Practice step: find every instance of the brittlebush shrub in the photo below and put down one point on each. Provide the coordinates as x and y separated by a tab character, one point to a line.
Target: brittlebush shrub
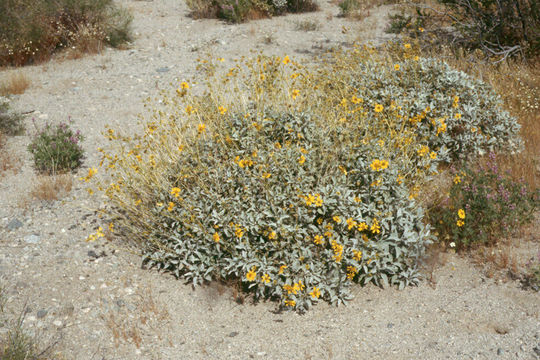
290	180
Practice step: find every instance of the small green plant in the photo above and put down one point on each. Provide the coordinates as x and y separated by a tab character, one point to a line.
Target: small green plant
56	149
398	23
307	25
10	123
483	205
348	7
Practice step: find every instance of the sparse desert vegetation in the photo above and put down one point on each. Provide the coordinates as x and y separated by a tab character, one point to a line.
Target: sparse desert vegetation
318	169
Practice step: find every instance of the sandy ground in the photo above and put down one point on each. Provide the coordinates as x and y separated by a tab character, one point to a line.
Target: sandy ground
95	299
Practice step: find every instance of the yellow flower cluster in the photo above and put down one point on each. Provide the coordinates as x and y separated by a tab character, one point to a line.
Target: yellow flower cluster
244	162
295	288
351	272
375	227
98	234
315	293
357	255
252	274
313	199
338	251
378	165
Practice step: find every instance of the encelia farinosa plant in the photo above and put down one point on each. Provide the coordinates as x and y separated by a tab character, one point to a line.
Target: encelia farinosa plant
56	148
295	182
483	205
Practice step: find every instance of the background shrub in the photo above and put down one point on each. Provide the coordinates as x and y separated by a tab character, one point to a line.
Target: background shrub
499	27
31	31
56	148
483	205
10	123
239	11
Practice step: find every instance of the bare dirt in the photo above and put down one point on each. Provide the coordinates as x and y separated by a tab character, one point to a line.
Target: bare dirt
100	304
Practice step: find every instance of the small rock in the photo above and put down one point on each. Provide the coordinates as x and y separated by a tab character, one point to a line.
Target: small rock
92	254
500	351
261	353
14	224
32	239
43	116
57	323
233	334
536	349
389	325
120	303
163	69
42	313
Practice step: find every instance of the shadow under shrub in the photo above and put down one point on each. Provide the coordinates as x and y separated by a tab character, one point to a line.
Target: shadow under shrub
32	30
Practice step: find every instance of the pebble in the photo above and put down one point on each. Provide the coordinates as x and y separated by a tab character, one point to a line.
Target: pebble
14	224
233	334
536	349
42	313
163	69
57	323
32	239
500	351
43	116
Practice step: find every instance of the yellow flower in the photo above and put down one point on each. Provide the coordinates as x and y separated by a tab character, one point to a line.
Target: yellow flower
281	269
111	227
433	155
272	235
356	100
362	226
266	175
460	223
239	232
221	59
351	272
378	108
457	179
337	219
318	239
286	60
461	214
421	29
357	255
189	110
175	191
171	206
344	102
351	223
216	237
423	150
416	58
290	303
252	274
375	228
201	128
378	165
222	110
396	67
184	85
473	129
357	199
295	93
302	159
457	116
265	278
407	46
315	293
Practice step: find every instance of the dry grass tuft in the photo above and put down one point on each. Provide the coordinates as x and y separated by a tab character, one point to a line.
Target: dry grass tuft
51	188
8	162
15	84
